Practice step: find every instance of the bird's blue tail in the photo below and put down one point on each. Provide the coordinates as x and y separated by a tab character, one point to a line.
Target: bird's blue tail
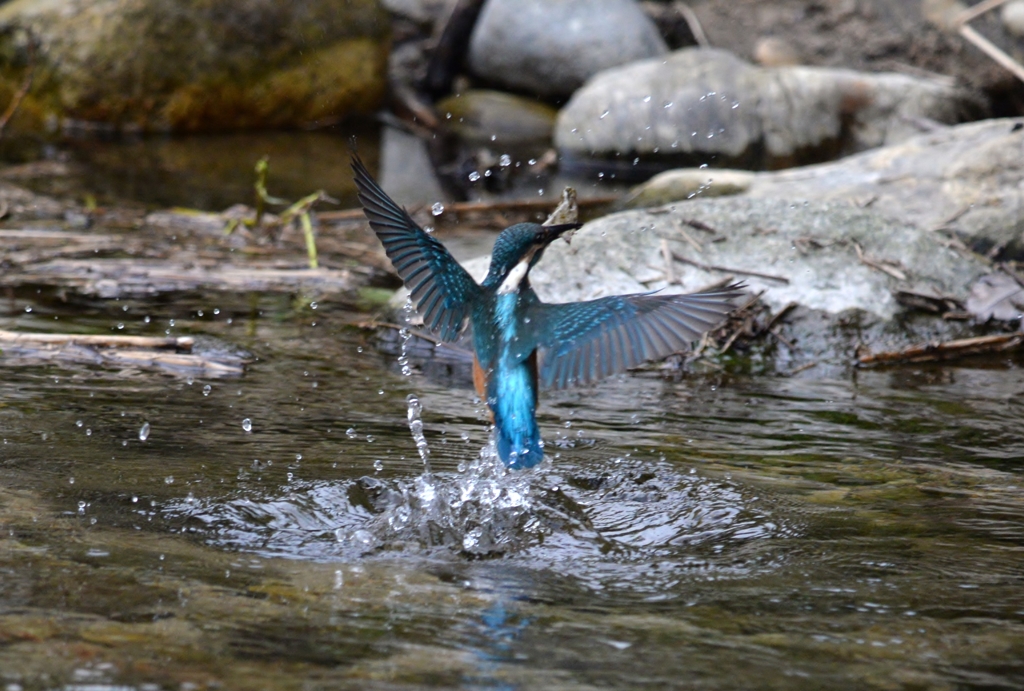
513	399
518	448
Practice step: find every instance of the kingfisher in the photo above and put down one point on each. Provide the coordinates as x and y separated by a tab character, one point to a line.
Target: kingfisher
520	343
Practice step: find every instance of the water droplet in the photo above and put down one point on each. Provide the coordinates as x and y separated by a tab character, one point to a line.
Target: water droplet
370	438
351	433
313	305
169	480
474	176
207	389
78	423
494	137
120	326
378	465
247	425
144	432
647	99
216	310
505	161
88	433
146	319
437	209
603	115
28	309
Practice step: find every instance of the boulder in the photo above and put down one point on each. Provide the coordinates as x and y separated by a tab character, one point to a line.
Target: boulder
840	264
205	65
965	181
550	47
707	106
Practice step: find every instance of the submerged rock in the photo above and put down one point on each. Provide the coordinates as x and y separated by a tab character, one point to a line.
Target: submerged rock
550	47
481	116
153	65
688	183
704	105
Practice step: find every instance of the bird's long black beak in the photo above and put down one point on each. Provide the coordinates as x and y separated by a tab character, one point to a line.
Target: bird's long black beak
555	231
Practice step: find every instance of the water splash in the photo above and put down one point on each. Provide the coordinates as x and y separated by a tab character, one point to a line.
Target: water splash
414	414
404	335
483	510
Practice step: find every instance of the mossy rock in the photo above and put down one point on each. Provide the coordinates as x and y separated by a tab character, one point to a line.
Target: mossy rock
197	65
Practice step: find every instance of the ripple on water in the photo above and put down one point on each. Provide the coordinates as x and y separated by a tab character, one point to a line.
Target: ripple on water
628	524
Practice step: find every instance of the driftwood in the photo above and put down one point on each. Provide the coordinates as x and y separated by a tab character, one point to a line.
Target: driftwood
30	246
109	278
946	350
181	343
169	354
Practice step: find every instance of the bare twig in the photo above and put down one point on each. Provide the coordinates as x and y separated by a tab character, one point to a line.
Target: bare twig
882	266
686	236
691	21
801	368
26	84
666	254
992	50
779	315
741	272
976	11
743	328
699	225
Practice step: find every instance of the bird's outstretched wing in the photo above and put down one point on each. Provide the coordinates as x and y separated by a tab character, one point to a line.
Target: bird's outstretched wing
441	289
581	342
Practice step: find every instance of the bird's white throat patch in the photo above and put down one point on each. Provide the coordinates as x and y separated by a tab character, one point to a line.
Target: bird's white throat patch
516	275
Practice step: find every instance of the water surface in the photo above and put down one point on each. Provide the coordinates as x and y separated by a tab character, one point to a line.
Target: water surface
712	530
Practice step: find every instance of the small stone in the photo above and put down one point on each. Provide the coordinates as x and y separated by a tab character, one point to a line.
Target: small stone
1013	17
772	51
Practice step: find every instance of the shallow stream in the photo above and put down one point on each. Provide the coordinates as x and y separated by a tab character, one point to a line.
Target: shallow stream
280	530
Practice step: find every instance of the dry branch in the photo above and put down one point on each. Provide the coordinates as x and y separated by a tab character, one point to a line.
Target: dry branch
946	350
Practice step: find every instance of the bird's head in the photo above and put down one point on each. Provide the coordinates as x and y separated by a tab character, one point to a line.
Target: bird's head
517	249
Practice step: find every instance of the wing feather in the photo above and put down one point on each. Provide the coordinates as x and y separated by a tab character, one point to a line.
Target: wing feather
583	341
440	288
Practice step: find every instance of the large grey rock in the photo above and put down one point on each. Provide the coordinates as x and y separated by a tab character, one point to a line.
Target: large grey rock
840	263
811	245
966	181
707	105
199	65
550	47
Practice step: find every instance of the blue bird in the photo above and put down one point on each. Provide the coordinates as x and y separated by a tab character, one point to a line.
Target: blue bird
520	342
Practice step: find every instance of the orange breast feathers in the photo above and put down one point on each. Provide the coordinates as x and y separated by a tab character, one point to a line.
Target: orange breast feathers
480	382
